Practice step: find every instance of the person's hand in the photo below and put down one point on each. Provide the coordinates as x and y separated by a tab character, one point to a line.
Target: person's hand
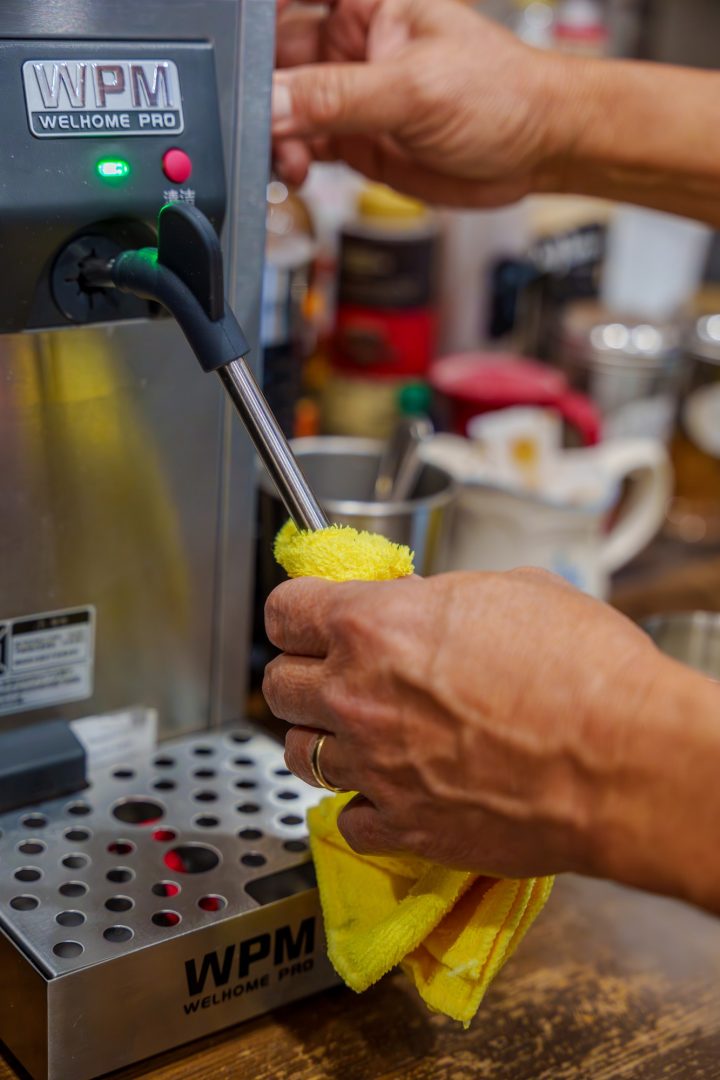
468	710
500	723
423	95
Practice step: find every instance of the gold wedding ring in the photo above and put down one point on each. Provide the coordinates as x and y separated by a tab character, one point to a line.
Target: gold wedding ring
316	768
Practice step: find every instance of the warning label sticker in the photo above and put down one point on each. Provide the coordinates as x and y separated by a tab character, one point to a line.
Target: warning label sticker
46	659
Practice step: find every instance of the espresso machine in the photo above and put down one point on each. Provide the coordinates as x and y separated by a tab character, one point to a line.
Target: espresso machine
155	880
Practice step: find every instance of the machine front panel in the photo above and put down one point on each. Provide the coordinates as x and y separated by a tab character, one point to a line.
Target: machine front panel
124	486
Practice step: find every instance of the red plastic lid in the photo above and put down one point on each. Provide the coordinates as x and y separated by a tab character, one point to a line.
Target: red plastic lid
483	382
497	381
568	31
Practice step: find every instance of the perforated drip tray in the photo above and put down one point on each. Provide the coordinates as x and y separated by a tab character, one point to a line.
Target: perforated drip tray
170	898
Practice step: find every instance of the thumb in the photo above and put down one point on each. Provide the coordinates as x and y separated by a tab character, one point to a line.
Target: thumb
338	99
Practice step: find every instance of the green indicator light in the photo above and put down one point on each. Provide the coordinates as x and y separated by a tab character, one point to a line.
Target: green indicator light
113	169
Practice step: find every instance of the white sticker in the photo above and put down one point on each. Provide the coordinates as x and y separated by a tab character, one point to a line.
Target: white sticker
46	659
120	736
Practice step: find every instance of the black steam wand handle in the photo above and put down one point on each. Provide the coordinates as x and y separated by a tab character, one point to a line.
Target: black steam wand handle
185	274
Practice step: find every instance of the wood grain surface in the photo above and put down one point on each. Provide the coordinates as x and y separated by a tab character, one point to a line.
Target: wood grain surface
610	985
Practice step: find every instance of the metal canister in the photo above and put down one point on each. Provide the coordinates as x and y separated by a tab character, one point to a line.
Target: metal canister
386	292
633	369
692	637
695	513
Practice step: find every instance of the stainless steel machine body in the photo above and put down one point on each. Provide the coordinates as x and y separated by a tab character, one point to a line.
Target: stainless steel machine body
174	896
126	485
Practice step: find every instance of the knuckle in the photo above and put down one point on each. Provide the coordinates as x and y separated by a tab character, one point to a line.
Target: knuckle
428	82
340	704
364	833
292	753
270	683
356	617
325	103
418	93
274	617
534	574
357	837
350	626
419	842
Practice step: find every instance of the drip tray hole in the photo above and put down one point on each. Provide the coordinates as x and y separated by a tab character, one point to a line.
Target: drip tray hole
118	934
119	903
166	888
73	888
70	918
68	949
138	811
77	836
191	858
75	861
32	847
24	903
34	821
166	918
212	903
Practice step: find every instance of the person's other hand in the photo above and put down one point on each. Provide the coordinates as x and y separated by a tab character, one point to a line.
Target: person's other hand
424	95
478	715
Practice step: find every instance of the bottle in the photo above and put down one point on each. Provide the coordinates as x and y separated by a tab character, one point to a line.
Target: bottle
386	315
581	28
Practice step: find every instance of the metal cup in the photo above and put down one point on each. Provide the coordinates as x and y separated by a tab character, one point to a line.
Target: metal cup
692	638
342	473
632	369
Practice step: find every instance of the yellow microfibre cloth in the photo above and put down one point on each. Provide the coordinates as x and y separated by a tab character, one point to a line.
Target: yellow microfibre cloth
450	930
341	554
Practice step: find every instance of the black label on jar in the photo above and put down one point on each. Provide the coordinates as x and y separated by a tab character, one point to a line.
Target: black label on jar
387	272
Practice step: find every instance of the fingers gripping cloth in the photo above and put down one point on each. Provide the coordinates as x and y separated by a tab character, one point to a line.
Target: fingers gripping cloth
451	931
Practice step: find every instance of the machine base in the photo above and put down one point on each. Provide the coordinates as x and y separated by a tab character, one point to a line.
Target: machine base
170	899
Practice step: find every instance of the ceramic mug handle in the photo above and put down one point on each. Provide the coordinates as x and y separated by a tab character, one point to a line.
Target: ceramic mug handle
646	464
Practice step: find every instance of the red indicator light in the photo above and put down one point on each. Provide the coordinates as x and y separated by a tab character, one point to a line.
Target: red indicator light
177	166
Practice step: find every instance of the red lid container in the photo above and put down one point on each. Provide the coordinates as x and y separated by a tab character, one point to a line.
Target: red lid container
474	383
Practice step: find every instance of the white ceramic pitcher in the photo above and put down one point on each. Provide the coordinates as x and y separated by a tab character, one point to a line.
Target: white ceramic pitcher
495	528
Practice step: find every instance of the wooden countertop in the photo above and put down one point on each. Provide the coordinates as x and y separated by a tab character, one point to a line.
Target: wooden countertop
610	984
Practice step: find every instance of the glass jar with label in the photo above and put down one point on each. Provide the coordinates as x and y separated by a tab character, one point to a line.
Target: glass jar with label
695	512
633	369
386	315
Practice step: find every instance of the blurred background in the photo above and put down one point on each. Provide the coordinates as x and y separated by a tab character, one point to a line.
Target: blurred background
534	386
